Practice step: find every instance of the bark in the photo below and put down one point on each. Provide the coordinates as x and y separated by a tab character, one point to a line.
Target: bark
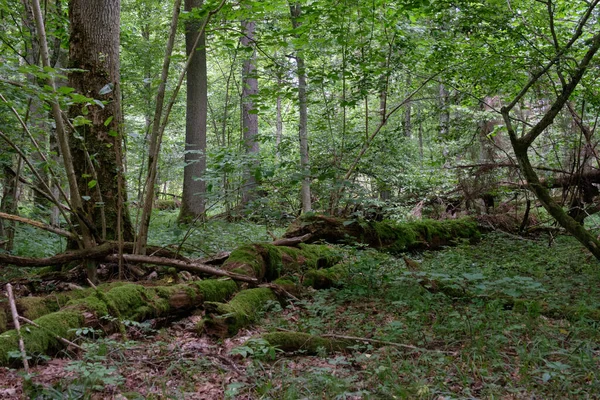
249	115
76	202
8	205
444	111
97	146
295	12
194	186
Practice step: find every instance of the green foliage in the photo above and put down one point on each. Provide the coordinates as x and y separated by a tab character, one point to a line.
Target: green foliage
479	341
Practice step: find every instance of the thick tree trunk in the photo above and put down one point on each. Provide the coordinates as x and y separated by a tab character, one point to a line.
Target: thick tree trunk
97	146
194	186
249	115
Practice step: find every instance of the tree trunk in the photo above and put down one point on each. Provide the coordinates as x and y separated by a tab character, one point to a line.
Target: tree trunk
295	12
194	186
444	111
97	145
249	116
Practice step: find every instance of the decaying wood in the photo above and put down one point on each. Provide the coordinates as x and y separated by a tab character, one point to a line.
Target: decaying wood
385	235
120	302
291	241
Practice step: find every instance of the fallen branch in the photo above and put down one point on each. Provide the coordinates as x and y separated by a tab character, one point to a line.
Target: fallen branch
291	241
15	316
39	225
184	266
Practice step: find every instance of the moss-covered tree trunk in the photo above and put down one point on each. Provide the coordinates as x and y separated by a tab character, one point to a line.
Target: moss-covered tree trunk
385	235
121	302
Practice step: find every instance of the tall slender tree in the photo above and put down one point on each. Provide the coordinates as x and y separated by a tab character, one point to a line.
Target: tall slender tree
295	13
194	186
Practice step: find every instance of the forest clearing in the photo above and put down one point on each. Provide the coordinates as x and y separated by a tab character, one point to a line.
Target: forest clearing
214	199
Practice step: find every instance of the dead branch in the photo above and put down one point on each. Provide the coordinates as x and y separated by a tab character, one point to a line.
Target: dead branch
184	266
39	225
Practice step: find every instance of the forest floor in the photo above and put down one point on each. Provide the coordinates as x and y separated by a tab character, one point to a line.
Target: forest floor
439	346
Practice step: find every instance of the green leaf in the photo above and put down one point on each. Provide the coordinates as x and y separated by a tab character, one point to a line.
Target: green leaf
92	184
108	120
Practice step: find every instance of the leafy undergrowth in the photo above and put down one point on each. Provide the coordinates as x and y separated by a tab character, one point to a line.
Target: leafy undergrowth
439	346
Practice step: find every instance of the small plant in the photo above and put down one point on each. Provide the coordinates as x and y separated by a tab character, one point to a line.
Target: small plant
258	349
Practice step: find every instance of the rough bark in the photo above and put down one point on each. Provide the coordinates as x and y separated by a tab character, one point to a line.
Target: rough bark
194	186
97	146
249	115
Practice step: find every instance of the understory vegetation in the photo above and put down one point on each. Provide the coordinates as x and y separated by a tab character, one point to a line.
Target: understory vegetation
489	337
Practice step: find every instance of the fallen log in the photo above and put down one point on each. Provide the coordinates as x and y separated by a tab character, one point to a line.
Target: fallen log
224	320
124	302
385	235
265	261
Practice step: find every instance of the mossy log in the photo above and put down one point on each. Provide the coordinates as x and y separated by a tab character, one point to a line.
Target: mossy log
308	344
223	320
122	302
265	261
385	235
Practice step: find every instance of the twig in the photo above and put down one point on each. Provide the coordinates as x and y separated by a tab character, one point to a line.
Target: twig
15	316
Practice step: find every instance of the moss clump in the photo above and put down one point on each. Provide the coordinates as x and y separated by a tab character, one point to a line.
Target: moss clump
266	261
327	277
216	289
297	341
41	340
245	260
227	319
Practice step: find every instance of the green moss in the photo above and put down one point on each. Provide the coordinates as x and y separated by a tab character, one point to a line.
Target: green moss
242	310
41	340
91	303
216	289
327	277
124	301
296	341
245	261
35	307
